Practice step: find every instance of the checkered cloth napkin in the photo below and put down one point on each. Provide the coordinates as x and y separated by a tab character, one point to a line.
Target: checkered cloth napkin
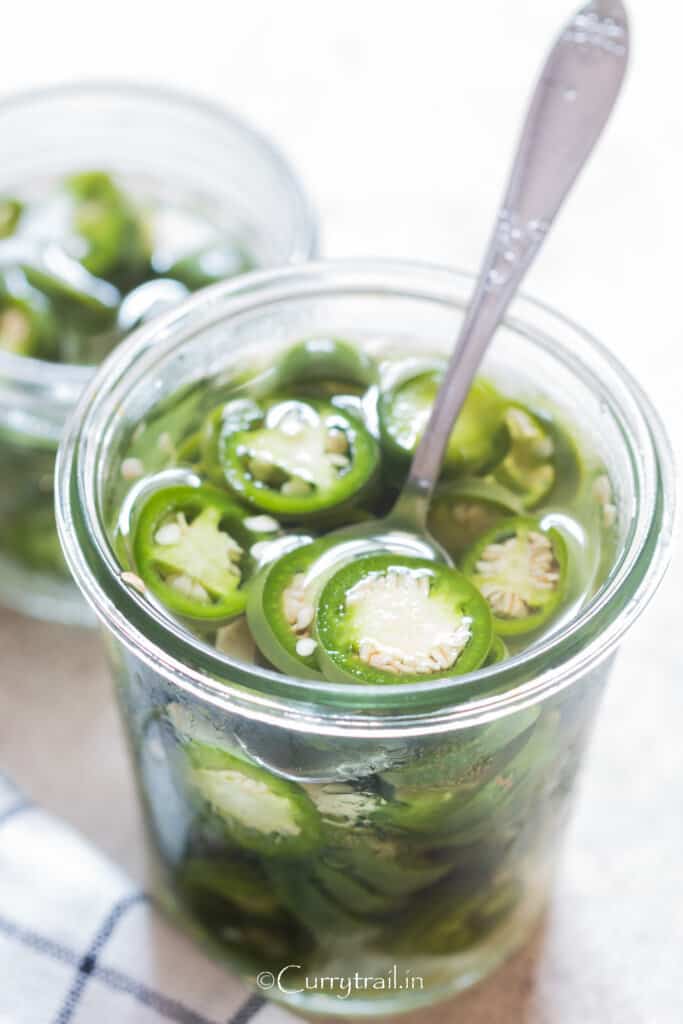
79	944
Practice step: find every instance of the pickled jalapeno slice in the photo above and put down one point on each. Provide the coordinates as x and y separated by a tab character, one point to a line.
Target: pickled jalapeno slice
26	327
325	368
97	252
528	468
233	895
301	458
189	547
319	911
206	266
260	811
462	510
570	471
231	880
111	230
450	922
189	451
498	651
542	463
479	439
76	295
281	609
386	619
10	212
521	570
219	426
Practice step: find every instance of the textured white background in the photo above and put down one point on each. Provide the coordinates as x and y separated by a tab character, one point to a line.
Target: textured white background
401	117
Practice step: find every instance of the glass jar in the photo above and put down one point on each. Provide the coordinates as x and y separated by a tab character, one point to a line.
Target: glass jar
421	829
182	146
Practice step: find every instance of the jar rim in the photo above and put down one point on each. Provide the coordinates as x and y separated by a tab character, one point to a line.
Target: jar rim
68	380
338	708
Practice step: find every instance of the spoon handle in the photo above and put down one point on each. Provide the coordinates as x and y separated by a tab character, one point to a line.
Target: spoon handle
572	101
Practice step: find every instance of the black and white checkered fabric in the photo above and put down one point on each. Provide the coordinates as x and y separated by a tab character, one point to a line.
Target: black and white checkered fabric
79	944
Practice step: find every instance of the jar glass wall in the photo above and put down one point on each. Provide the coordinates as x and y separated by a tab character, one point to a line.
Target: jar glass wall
166	146
417	831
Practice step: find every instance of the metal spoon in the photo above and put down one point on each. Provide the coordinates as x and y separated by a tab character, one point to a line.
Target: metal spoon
569	108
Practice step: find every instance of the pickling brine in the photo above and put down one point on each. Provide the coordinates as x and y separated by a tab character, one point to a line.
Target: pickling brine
430	852
226	494
356	766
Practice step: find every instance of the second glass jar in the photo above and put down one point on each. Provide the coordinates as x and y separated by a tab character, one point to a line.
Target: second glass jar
165	146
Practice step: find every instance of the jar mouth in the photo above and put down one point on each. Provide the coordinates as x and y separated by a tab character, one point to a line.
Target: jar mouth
68	380
213	678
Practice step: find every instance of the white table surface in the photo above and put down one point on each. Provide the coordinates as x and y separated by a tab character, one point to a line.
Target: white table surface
401	118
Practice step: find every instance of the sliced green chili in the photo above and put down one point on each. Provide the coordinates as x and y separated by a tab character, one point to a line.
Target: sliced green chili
388	618
190	547
521	569
462	510
304	457
260	811
10	213
325	368
479	440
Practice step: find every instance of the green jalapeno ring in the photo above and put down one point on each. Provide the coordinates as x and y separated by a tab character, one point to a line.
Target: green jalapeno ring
451	761
543	462
479	440
206	266
280	612
392	865
30	534
189	451
318	910
233	880
505	798
295	477
78	298
528	469
222	422
253	940
430	810
113	230
234	898
10	215
499	652
569	464
453	921
350	647
260	811
326	368
521	569
194	553
461	510
27	327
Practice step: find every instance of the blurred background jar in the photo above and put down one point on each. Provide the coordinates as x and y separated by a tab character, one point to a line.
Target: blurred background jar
215	199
